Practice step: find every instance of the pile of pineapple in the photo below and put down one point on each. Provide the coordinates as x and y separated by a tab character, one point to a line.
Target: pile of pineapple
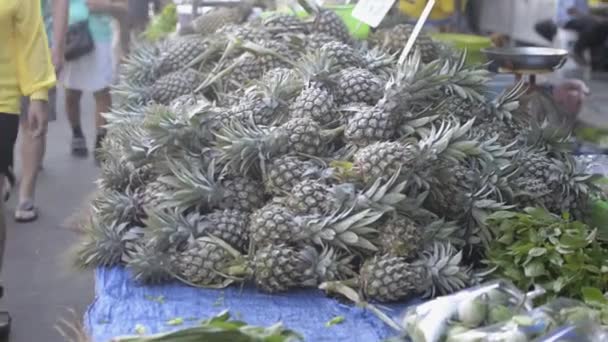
283	153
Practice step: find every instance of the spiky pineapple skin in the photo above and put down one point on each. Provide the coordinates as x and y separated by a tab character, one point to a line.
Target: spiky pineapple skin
200	262
242	193
310	197
328	22
389	279
229	225
303	136
182	52
383	159
280	268
358	85
174	85
274	224
370	124
343	55
285	172
401	237
316	103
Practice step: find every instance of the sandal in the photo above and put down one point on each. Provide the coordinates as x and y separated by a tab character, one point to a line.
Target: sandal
26	212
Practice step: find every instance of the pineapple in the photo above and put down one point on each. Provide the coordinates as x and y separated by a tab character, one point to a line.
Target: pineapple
173	228
380	63
229	225
242	32
105	243
403	237
246	147
147	264
280	23
344	229
266	102
394	39
316	103
195	187
153	194
140	67
383	159
205	262
111	205
357	85
171	86
315	41
326	21
181	53
278	268
437	271
286	171
215	19
311	197
343	55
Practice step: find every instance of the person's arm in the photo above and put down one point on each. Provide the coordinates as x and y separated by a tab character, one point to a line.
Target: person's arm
60	28
35	72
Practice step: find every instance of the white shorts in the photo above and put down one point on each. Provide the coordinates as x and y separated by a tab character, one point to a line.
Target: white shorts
92	72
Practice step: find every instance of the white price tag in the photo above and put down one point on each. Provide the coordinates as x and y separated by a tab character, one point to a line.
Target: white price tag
372	12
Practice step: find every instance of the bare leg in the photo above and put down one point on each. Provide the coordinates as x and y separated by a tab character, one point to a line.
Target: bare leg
32	152
72	108
103	102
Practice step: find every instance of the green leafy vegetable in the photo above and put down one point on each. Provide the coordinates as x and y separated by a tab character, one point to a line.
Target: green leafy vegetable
334	321
218	329
175	321
556	253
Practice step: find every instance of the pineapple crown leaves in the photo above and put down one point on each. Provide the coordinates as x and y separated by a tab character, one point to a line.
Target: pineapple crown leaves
506	103
443	231
245	146
343	229
146	263
328	264
115	174
464	81
444	273
169	229
318	66
173	129
103	244
193	184
112	205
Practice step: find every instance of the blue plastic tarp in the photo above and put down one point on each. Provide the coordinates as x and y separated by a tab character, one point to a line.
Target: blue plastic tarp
121	304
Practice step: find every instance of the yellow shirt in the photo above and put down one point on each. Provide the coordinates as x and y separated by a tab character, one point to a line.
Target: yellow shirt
443	9
25	59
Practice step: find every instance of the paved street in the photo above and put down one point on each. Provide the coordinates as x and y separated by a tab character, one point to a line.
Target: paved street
40	283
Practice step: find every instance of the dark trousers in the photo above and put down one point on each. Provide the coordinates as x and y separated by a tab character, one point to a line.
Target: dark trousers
592	33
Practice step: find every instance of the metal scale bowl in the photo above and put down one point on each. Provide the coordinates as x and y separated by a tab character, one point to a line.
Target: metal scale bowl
527	61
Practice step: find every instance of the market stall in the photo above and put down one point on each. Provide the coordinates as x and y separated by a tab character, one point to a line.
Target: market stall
252	164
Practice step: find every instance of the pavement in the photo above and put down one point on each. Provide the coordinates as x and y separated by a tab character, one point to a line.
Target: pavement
41	286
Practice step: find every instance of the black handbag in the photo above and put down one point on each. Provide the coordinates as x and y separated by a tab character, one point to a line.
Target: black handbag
79	41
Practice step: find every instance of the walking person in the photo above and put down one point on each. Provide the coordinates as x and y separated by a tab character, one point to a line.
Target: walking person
93	71
25	70
55	14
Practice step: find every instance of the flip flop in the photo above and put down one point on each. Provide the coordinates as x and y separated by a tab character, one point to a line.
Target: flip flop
26	212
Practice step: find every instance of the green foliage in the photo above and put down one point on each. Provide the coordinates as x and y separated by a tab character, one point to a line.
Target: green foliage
162	24
538	248
220	328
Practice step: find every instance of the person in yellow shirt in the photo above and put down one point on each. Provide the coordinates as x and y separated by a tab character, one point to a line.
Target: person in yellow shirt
25	70
442	14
